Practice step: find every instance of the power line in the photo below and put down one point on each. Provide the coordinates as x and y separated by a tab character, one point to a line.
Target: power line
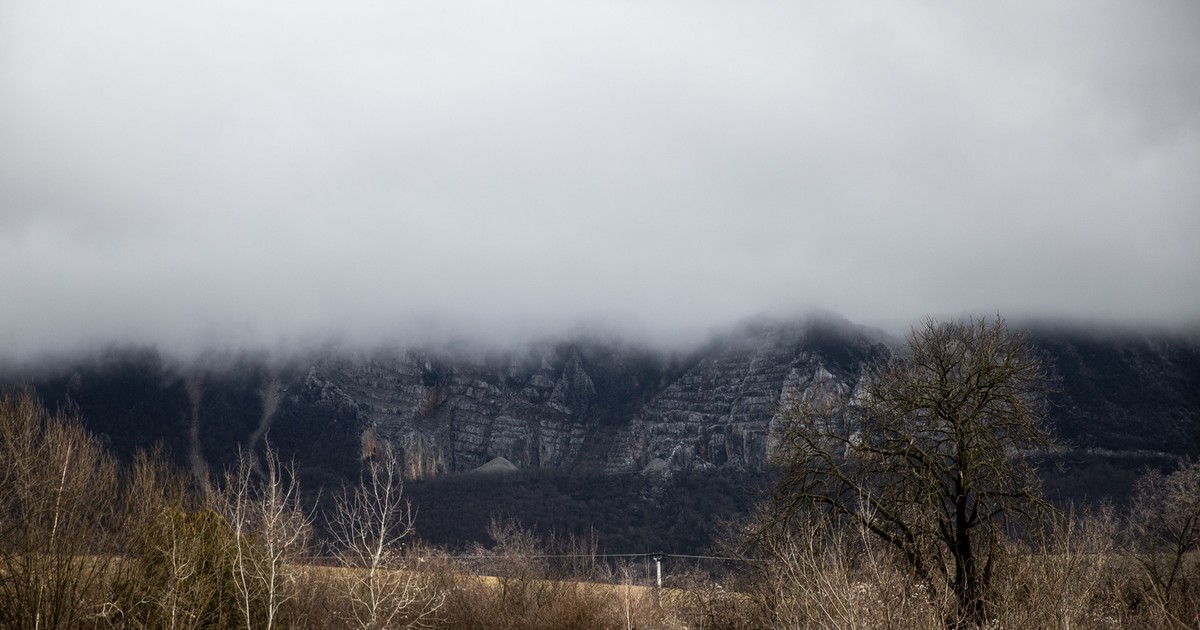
681	555
597	555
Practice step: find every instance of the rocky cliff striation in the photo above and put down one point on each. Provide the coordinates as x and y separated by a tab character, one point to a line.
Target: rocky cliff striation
598	407
586	405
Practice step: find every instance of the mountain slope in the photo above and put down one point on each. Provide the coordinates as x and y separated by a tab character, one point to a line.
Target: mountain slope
586	406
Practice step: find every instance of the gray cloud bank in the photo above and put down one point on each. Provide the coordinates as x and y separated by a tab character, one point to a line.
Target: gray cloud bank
269	173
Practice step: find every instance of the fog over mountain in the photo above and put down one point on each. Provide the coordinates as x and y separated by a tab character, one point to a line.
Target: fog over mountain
198	175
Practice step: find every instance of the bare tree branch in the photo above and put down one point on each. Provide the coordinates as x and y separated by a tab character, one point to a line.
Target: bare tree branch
933	459
369	525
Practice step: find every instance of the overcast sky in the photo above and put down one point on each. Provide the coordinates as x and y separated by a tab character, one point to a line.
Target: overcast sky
216	174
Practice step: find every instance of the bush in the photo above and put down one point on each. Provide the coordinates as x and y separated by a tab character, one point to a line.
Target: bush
181	573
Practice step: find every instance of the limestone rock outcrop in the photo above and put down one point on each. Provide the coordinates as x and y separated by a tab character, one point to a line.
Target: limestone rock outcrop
590	406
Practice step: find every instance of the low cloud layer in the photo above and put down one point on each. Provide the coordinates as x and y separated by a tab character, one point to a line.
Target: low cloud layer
229	174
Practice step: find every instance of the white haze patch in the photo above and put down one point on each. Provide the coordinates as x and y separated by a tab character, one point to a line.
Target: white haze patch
198	175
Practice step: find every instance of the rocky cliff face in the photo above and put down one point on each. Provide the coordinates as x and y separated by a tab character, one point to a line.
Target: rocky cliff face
456	416
583	405
590	406
722	411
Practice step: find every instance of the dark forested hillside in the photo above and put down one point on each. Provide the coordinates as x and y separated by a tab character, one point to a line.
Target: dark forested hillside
1125	392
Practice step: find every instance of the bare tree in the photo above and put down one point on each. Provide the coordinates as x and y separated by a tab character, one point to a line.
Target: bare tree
1163	536
931	456
58	516
370	524
270	530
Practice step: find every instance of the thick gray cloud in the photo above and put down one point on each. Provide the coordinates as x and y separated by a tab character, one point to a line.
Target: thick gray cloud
197	174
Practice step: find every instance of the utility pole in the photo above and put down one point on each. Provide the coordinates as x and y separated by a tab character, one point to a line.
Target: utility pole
658	556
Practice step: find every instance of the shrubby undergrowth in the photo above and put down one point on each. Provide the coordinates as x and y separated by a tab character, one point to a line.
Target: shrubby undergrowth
87	543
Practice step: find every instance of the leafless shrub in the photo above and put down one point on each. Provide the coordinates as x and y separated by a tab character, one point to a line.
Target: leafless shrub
820	573
1162	537
637	605
703	603
58	517
1068	575
521	588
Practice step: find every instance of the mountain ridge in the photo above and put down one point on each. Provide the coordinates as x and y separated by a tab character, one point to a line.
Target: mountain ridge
586	404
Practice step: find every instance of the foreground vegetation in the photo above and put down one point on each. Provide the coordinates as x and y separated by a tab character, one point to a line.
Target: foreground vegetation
88	543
